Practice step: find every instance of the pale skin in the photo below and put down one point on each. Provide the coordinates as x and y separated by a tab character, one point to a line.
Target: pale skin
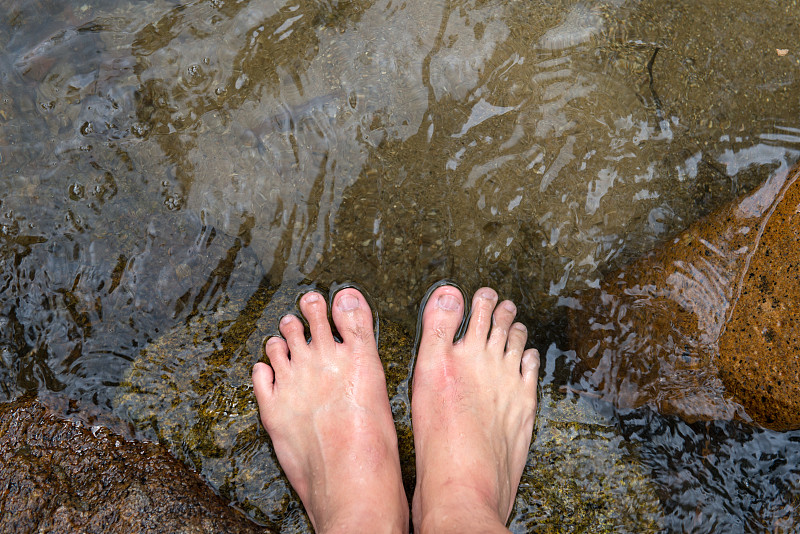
326	409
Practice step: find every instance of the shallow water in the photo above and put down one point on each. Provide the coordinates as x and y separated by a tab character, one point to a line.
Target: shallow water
162	159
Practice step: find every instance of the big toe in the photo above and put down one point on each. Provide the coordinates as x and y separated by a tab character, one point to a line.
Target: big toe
442	316
353	317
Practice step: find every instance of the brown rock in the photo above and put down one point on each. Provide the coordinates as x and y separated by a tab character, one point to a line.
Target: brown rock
61	476
760	347
706	326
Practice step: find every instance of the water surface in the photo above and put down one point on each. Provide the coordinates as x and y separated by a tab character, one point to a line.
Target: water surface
162	160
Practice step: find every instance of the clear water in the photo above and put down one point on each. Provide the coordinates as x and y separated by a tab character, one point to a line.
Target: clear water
159	159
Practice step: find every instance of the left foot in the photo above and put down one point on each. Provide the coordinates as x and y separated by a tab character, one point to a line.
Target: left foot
327	411
473	405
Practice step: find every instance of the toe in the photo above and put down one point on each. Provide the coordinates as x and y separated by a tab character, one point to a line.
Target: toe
503	317
442	316
480	321
353	317
315	310
277	351
263	384
530	368
517	337
292	330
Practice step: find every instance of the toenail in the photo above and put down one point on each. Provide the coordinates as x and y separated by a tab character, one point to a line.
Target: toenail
274	339
348	303
521	327
311	297
286	319
509	306
448	302
485	293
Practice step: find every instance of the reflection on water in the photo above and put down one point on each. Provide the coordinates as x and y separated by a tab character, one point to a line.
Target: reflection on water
161	160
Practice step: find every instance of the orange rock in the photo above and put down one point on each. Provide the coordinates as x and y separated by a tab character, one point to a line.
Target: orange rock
706	326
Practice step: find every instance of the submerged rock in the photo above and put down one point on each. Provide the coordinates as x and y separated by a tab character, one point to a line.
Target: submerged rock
62	476
582	475
706	327
513	143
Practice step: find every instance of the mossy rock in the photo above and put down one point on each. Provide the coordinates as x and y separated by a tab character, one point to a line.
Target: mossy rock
582	476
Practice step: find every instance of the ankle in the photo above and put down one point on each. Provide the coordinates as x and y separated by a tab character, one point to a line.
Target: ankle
367	519
459	518
457	509
366	525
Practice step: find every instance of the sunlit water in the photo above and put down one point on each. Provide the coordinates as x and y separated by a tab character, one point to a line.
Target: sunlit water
160	159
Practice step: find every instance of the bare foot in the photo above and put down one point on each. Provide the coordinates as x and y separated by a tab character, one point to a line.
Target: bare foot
473	405
327	412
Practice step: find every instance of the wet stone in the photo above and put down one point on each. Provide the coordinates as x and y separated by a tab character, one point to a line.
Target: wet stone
58	475
706	326
581	474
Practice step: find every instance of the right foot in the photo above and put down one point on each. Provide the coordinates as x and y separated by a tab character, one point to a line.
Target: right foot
327	412
473	406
